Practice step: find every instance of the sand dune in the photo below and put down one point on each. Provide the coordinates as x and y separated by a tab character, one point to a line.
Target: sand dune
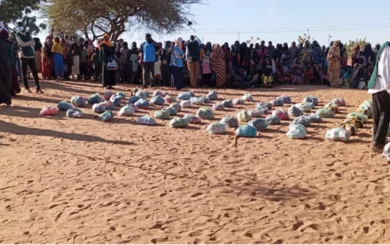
84	181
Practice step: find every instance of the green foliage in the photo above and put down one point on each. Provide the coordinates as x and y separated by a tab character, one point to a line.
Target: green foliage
12	11
96	17
352	44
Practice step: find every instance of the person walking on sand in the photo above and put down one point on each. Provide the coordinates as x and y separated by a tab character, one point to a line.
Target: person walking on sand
379	88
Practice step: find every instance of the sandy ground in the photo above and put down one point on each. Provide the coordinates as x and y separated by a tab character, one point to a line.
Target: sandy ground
83	181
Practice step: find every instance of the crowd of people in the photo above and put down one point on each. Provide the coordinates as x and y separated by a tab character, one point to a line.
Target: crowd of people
180	63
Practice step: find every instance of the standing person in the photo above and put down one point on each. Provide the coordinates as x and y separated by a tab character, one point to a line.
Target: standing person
75	60
96	65
218	65
47	58
134	63
177	64
206	64
157	65
58	55
369	53
193	58
110	65
124	62
27	57
83	62
334	68
165	60
7	68
37	53
148	50
379	87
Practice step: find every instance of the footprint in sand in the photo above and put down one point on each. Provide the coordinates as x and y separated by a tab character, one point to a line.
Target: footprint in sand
195	233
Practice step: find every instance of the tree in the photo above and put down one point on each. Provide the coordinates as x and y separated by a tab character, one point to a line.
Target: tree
94	18
351	45
12	11
305	37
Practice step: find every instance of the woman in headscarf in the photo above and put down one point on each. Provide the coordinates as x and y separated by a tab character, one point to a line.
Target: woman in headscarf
218	65
5	67
38	57
316	52
206	67
75	60
355	55
334	58
107	57
47	58
177	64
369	53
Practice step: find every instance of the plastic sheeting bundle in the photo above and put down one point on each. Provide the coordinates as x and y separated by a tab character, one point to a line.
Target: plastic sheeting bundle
216	128
172	111
169	99
260	124
366	108
162	114
192	119
212	95
333	107
184	96
227	103
277	102
339	102
127	110
358	116
273	120
230	121
135	108
337	134
121	94
197	100
134	99
325	113
146	120
386	152
116	100
265	105
178	123
294	111
247	97
257	113
99	108
205	113
158	93
314	118
297	131
305	106
286	99
219	107
49	111
302	120
177	106
283	115
94	99
238	102
158	100
246	131
109	105
64	106
74	113
185	104
311	99
107	95
244	116
78	101
106	116
142	104
142	94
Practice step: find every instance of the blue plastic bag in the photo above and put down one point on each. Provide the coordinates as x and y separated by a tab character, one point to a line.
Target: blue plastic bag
273	120
94	99
158	100
142	104
297	131
178	123
64	106
260	124
205	113
106	116
78	101
74	113
212	95
116	99
230	121
227	103
134	99
294	111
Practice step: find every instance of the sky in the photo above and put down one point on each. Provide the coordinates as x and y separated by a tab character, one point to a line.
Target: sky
282	21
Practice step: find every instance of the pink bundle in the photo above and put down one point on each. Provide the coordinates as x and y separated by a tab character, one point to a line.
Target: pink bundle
339	102
107	95
49	111
283	115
